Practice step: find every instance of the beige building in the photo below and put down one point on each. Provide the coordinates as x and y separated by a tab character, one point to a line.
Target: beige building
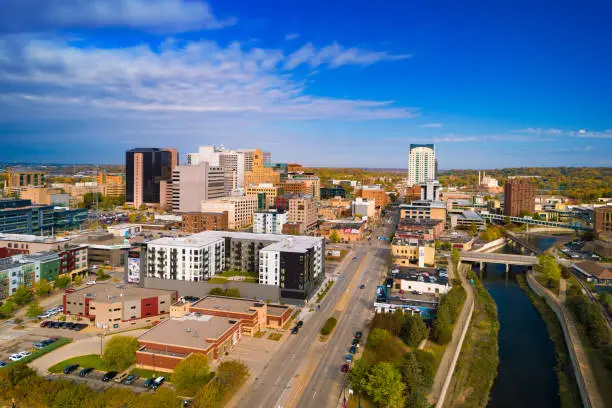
259	173
264	193
303	210
406	252
311	183
17	180
112	190
240	210
193	184
41	195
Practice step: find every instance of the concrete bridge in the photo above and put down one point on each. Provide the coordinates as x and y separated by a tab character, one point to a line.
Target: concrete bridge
533	221
506	259
523	243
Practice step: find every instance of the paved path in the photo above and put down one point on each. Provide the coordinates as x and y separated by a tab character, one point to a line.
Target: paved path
440	384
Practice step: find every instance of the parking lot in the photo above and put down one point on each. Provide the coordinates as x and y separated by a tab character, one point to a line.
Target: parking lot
94	381
17	345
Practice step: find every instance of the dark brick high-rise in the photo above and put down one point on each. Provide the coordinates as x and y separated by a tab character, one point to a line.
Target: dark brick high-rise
519	197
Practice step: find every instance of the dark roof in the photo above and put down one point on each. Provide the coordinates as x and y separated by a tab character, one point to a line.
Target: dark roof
595	269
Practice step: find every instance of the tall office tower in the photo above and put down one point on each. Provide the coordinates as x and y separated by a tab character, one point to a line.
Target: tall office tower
148	172
422	165
260	173
430	191
248	158
193	184
519	197
267	157
233	164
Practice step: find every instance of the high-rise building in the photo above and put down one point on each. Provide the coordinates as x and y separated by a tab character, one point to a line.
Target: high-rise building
303	210
260	173
248	158
265	193
376	193
422	165
430	190
145	170
519	197
232	162
239	210
267	157
193	184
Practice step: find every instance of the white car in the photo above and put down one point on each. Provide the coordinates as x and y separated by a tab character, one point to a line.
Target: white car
91	283
25	353
15	357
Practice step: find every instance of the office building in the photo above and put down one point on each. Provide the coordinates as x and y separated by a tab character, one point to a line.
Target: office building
303	210
265	193
239	209
412	252
374	192
114	307
267	157
193	184
260	172
17	179
430	190
363	207
145	170
232	162
427	229
27	270
195	222
519	197
248	158
332	191
343	230
110	178
602	218
312	183
422	165
22	217
269	221
112	190
45	196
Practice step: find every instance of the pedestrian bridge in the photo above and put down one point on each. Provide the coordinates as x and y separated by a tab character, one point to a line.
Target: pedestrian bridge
507	259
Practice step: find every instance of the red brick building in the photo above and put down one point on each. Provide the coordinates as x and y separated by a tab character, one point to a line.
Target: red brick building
519	197
208	221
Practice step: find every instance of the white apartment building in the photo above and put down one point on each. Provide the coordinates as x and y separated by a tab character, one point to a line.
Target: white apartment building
194	258
269	222
232	162
364	207
240	210
422	165
193	184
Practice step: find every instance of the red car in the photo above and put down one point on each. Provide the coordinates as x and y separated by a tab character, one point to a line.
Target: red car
45	323
345	368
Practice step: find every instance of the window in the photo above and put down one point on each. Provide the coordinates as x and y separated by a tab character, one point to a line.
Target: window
133	307
162	302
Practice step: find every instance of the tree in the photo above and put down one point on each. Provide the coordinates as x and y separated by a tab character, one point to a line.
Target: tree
34	309
383	383
7	308
549	268
210	396
62	281
78	280
414	331
120	352
191	373
417	373
216	292
334	237
358	373
232	373
455	258
23	295
142	207
74	395
43	287
442	333
378	337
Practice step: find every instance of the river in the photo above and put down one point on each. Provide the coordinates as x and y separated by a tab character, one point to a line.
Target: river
526	376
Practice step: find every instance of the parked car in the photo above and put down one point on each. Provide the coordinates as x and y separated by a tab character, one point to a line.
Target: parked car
348	358
300	324
15	357
71	368
157	383
130	379
85	372
25	353
69	290
295	330
55	325
45	323
121	377
90	283
149	382
53	339
109	376
2	364
80	326
353	350
358	335
39	346
345	368
355	342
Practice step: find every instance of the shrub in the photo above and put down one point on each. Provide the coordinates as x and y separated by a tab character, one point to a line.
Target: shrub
414	331
442	333
329	325
120	352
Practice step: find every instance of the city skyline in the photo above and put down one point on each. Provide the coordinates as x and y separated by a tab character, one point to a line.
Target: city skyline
492	86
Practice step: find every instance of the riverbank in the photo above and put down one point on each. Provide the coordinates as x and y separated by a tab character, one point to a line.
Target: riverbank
476	368
569	393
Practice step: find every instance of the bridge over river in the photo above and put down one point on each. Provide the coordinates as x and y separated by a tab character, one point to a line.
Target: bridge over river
506	259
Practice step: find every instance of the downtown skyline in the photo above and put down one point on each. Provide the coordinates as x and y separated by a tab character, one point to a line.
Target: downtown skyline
323	85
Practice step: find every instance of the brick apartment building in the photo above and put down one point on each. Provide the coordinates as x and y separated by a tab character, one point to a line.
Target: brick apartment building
195	222
519	197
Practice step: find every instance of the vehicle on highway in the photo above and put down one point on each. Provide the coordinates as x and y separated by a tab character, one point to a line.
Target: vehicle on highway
353	350
362	287
121	377
300	324
85	372
157	383
130	379
2	364
71	368
109	376
348	358
149	382
358	334
295	330
355	258
345	368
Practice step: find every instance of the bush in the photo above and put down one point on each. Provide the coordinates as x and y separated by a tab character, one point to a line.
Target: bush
62	282
329	325
414	331
120	352
7	308
590	317
34	310
442	333
231	292
23	295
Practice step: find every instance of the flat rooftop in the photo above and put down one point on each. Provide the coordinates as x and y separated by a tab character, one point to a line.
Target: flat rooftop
192	241
190	331
278	242
429	275
223	303
103	292
33	238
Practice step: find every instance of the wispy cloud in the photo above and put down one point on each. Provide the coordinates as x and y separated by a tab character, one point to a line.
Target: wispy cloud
155	15
292	36
431	125
582	133
335	55
540	131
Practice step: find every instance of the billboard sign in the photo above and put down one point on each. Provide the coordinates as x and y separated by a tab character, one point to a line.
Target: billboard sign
133	267
381	293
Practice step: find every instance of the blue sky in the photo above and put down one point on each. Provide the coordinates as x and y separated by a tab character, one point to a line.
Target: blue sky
324	83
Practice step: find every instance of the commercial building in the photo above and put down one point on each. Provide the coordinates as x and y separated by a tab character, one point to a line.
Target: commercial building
294	187
232	162
269	221
148	173
422	164
430	190
423	280
240	210
112	190
519	197
312	183
114	307
343	230
195	183
364	207
374	192
45	196
104	248
303	210
22	217
259	172
265	193
595	272
602	220
18	179
412	252
421	209
332	191
195	222
466	219
427	229
110	178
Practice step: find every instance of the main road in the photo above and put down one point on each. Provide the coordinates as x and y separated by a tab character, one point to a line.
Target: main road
305	371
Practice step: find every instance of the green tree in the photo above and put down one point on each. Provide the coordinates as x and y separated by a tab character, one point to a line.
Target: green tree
43	287
216	292
232	373
334	237
191	373
73	395
455	257
34	309
357	374
23	295
62	281
210	396
414	331
378	337
442	332
7	308
549	268
417	374
120	352
78	280
383	383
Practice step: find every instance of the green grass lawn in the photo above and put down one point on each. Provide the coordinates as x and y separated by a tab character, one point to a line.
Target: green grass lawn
275	336
144	373
89	360
217	279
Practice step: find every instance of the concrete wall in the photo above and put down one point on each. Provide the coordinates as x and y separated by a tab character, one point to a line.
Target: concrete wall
201	289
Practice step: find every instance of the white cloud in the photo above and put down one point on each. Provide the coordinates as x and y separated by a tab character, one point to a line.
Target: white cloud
540	131
292	36
431	125
156	15
182	77
582	133
335	55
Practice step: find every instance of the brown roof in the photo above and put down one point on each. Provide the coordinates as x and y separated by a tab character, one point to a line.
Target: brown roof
277	310
190	331
595	269
223	303
103	292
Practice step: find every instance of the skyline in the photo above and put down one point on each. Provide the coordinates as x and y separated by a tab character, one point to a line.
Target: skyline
492	86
